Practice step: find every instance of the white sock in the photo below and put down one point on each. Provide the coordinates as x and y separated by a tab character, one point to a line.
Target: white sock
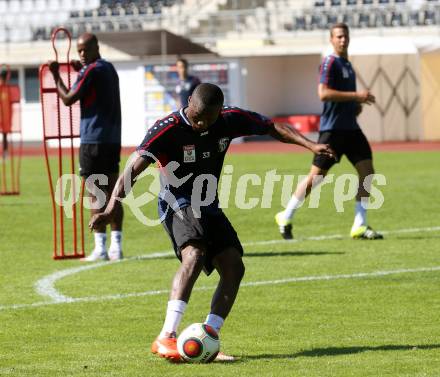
115	240
100	240
292	206
175	311
360	217
215	321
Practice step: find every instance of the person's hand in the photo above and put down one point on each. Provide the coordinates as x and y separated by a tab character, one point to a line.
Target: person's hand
99	220
324	149
366	97
54	67
76	65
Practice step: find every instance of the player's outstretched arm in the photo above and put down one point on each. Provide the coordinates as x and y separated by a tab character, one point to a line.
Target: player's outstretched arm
68	97
327	94
123	186
287	134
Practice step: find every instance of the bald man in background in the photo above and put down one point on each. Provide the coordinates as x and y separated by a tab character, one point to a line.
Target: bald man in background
97	89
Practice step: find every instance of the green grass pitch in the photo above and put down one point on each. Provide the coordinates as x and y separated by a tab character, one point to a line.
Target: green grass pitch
376	324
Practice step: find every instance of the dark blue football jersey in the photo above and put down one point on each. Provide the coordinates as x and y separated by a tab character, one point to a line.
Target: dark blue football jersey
190	161
98	88
338	74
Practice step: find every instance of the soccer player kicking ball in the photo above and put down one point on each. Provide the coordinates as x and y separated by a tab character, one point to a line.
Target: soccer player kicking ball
190	146
338	128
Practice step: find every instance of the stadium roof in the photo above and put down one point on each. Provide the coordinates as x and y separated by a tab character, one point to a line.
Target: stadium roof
150	43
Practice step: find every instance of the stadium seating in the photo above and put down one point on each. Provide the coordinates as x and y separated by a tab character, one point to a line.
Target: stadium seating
205	19
255	16
22	20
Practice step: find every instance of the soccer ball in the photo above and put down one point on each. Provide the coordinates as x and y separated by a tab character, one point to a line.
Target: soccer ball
198	343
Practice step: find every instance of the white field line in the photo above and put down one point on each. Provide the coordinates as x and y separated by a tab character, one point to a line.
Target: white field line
358	275
46	286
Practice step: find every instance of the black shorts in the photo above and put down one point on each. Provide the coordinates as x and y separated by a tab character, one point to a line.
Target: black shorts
99	159
214	231
353	144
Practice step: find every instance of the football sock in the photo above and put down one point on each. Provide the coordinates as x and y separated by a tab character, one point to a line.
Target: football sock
100	240
292	206
175	311
116	238
360	217
215	321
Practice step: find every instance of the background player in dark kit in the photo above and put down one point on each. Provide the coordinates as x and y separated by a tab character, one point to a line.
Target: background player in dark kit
338	128
97	89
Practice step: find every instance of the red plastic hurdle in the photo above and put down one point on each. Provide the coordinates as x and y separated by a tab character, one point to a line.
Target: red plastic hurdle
60	128
12	142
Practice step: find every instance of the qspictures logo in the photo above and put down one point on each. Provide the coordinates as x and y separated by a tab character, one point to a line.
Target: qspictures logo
246	191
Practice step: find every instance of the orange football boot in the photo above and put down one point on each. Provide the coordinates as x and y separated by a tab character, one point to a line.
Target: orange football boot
167	348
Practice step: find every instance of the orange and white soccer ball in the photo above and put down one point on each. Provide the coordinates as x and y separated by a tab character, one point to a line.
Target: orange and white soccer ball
198	343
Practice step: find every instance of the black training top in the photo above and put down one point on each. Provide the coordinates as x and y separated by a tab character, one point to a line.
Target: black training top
190	161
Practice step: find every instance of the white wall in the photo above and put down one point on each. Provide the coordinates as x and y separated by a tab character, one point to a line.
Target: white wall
282	85
269	85
31	122
301	84
272	86
262	79
131	82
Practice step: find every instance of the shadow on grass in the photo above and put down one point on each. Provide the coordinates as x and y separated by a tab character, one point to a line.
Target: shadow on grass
338	351
418	237
170	254
289	253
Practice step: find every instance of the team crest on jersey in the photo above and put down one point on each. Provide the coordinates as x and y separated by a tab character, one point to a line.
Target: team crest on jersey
345	73
223	144
189	153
